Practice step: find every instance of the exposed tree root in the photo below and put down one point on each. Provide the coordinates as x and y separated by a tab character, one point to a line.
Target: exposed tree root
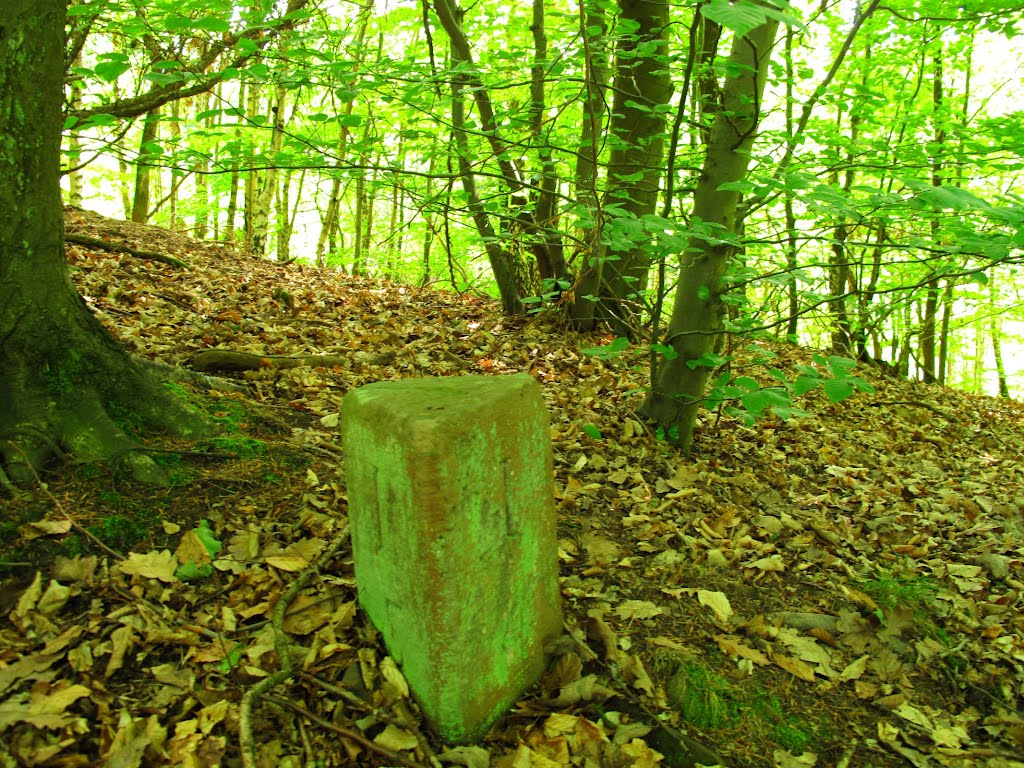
95	242
230	360
86	414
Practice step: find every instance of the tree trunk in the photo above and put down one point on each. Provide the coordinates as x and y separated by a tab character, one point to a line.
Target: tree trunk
642	90
140	205
265	200
500	259
676	388
74	143
201	180
995	331
251	176
59	369
330	219
285	219
546	240
513	273
792	286
588	155
947	316
927	338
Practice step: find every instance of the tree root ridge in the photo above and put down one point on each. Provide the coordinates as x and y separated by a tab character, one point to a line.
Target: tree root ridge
92	421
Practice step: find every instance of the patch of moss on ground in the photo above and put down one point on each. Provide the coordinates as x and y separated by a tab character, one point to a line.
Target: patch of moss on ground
710	701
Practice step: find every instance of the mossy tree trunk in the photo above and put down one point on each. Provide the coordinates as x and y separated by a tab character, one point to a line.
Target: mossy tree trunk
676	388
61	374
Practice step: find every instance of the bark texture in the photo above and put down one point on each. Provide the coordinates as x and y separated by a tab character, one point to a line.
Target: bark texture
615	275
677	388
60	371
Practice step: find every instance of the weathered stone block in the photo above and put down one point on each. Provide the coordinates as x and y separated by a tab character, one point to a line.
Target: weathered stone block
453	532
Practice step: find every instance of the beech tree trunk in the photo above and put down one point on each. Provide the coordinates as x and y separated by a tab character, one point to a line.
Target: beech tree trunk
59	369
615	277
676	388
140	205
265	200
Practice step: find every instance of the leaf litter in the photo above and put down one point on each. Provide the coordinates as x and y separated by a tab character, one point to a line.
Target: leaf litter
841	589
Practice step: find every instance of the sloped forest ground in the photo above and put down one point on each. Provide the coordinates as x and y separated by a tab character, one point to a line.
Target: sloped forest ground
842	589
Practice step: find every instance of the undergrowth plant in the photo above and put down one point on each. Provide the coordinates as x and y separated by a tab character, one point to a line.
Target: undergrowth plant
710	701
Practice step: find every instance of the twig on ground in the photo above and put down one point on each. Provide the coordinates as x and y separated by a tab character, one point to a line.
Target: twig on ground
919	404
348	733
249	757
53	499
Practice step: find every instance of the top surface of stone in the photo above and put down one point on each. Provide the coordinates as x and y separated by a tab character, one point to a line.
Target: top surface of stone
430	397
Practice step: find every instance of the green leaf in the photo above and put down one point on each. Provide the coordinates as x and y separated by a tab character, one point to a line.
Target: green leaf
111	70
205	534
952	198
723	379
193	572
609	351
838	389
707	360
175	23
770	397
592	431
805	384
742	17
666	351
233	659
212	24
161	79
630	177
259	70
841	366
245	46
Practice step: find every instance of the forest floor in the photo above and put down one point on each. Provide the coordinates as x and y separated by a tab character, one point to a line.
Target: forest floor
842	589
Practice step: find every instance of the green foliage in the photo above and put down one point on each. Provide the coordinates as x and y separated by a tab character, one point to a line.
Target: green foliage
749	400
609	351
173	465
790	732
551	290
709	701
233	659
892	592
743	16
230	416
888	189
118	531
192	571
704	699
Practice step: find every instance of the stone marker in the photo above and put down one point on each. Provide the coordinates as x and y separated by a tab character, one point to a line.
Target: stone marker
453	533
